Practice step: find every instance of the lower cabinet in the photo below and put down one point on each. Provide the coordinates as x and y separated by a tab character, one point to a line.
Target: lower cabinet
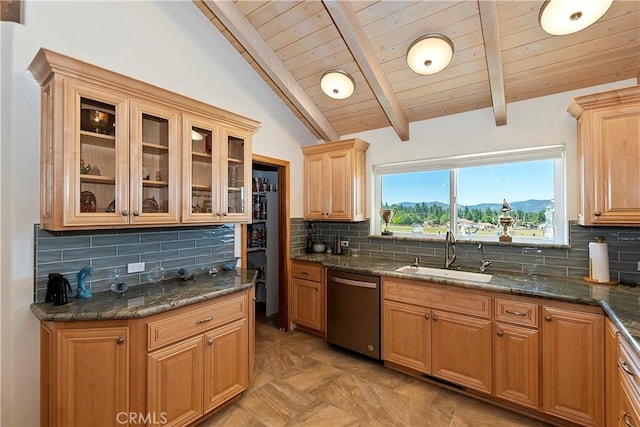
573	365
308	296
553	366
461	350
627	412
171	368
84	374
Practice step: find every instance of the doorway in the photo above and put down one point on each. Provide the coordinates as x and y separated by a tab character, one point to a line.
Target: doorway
266	241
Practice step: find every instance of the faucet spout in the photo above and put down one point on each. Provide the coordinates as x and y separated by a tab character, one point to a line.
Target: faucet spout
449	249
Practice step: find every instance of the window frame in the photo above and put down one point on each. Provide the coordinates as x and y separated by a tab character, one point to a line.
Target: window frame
453	163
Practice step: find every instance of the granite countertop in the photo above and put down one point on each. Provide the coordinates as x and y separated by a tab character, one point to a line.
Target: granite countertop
147	299
621	303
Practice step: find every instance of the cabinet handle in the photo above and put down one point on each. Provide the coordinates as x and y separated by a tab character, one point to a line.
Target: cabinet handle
208	319
224	214
304	273
210	341
426	316
435	318
217	213
120	340
625	418
500	333
547	318
136	213
627	369
515	313
125	213
597	213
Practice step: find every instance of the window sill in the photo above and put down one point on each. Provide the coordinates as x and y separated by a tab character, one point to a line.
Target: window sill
471	241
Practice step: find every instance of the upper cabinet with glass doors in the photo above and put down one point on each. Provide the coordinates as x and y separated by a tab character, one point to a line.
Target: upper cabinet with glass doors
111	152
216	174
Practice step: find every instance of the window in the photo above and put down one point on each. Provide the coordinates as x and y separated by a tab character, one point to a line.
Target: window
466	194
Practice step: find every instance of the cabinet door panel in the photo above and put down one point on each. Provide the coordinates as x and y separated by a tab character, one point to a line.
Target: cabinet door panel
516	364
154	154
616	182
313	187
93	376
461	350
225	363
235	176
307	304
96	139
174	382
406	335
338	176
573	365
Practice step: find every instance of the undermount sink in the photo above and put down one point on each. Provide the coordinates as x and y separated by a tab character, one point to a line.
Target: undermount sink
448	274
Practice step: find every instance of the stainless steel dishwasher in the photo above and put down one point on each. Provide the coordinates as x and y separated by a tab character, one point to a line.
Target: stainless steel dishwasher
353	312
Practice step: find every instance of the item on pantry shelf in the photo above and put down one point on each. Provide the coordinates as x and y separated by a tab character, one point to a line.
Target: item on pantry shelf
84	169
87	202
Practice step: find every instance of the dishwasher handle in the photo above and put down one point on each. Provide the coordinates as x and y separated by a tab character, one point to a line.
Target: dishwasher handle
349	282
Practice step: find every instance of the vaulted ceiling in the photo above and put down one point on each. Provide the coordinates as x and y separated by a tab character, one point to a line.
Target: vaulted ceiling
501	56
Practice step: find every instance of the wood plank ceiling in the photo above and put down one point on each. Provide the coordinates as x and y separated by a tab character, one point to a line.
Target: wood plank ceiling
501	56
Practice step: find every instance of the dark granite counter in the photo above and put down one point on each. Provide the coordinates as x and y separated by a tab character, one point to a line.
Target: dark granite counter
145	300
621	303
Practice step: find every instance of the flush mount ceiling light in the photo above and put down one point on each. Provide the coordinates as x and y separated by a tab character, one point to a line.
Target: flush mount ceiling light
430	54
561	17
337	84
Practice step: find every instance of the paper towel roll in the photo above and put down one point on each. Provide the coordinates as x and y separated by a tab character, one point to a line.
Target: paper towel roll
599	262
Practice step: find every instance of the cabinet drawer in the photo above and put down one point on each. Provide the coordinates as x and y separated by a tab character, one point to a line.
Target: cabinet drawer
200	319
518	312
421	293
629	365
307	271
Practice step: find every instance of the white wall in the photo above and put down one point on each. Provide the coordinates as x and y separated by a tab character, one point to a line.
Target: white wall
532	123
169	44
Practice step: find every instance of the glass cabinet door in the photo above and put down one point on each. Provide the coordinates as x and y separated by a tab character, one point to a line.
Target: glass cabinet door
200	159
236	176
96	140
154	164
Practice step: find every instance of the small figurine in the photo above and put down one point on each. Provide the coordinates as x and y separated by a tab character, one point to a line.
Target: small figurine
84	169
83	292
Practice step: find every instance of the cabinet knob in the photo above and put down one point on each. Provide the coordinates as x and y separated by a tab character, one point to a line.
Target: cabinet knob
435	318
224	214
626	417
500	333
136	213
597	213
120	340
217	213
426	316
125	213
547	318
210	341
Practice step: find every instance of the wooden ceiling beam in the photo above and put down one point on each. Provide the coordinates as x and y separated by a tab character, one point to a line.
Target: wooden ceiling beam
358	43
493	52
238	25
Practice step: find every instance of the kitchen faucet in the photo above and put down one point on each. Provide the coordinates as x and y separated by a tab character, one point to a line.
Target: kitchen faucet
449	249
484	263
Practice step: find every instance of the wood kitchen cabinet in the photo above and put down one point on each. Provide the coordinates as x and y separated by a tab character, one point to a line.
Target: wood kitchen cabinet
516	343
217	172
111	148
335	181
573	365
611	372
453	336
308	296
85	373
627	409
608	154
